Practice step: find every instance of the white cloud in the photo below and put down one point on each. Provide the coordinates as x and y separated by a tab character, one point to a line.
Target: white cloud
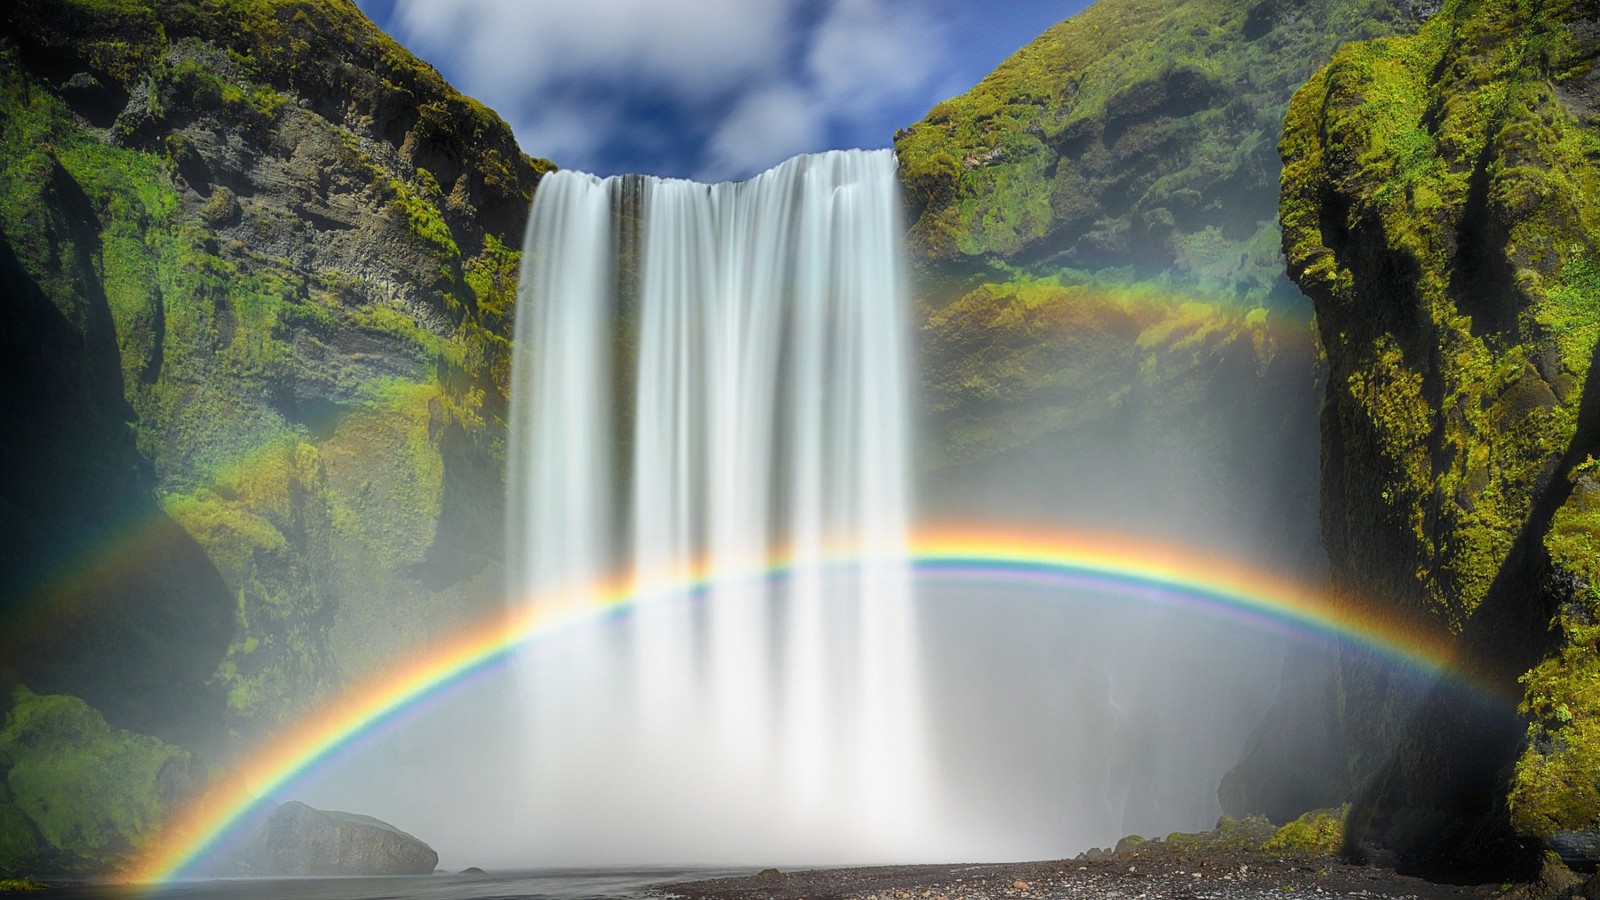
870	52
742	72
694	46
563	131
764	128
862	56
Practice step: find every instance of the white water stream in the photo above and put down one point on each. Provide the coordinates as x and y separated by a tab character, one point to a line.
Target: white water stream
706	375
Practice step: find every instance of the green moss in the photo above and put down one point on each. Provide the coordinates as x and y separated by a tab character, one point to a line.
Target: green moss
1137	132
1417	158
288	45
1555	786
390	321
492	278
427	226
218	525
991	344
1569	311
1316	833
116	40
1573	541
91	789
386	473
237	363
1008	363
20	841
1231	834
203	340
1439	206
47	154
266	522
1129	843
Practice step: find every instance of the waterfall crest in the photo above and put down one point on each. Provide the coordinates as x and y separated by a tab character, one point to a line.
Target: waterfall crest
705	375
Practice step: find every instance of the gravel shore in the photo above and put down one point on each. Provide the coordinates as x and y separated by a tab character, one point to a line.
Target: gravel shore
1202	876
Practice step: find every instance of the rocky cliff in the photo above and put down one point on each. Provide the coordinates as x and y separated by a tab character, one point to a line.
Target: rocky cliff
1439	207
1138	137
1108	336
259	264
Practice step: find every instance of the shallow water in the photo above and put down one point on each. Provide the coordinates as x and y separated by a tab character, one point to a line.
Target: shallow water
541	884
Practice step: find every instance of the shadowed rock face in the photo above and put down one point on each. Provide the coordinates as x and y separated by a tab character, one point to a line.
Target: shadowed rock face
1439	208
258	265
302	840
264	262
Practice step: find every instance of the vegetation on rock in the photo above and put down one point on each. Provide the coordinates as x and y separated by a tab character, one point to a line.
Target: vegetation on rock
1107	326
1439	207
1095	241
1100	403
1095	238
1248	833
299	234
77	794
263	266
1137	136
1319	832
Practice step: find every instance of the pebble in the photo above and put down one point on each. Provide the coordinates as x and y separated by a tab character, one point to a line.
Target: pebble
1155	877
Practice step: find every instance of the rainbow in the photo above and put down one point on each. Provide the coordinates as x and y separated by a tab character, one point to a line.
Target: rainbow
1055	560
84	578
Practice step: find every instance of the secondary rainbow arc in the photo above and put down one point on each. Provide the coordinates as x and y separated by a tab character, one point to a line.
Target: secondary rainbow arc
1055	559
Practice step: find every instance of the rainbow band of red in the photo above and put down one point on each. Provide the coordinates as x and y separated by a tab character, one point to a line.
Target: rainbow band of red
1121	566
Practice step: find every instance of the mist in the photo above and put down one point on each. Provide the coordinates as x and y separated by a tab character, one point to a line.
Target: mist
1039	721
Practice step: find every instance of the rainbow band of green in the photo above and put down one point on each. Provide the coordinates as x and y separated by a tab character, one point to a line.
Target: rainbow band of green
1059	561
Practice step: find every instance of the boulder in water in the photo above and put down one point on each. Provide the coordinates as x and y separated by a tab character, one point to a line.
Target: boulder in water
301	840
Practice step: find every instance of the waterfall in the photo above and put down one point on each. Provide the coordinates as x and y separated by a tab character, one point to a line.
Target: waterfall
706	375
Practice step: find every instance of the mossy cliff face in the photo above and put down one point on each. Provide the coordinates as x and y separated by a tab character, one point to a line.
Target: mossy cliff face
77	795
1125	409
1439	207
267	259
1094	238
1139	135
1109	337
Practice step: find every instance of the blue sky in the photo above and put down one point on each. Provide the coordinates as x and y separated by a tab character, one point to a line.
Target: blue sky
710	89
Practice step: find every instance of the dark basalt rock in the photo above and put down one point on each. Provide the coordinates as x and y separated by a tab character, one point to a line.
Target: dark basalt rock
302	840
1578	849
